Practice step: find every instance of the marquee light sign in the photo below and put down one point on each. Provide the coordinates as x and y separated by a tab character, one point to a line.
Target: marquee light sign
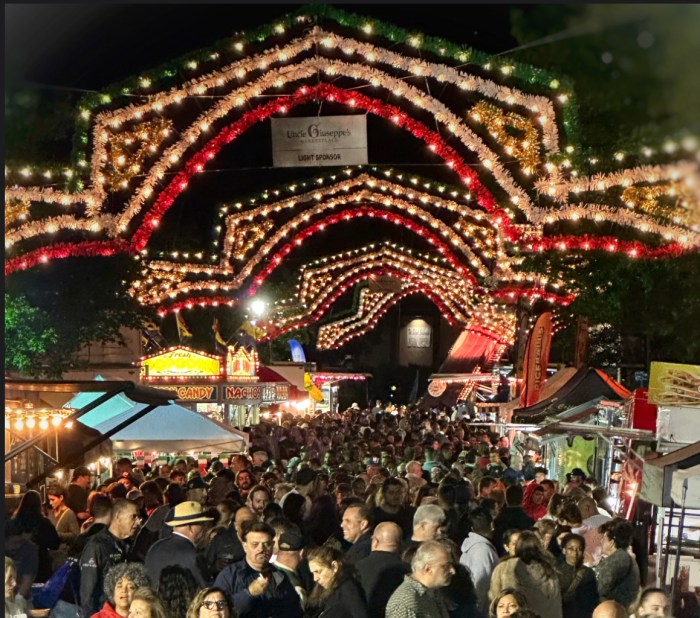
181	363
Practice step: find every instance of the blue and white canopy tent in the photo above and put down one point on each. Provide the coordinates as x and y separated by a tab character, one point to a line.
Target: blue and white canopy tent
168	428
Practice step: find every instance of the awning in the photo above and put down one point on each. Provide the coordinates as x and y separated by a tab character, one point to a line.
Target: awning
168	428
584	386
689	478
657	474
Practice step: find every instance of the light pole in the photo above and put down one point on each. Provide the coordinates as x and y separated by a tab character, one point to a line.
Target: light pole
258	307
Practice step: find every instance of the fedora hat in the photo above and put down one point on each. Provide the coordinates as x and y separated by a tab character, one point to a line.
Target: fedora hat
187	513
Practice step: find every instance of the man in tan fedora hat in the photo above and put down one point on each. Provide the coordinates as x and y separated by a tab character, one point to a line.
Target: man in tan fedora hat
180	547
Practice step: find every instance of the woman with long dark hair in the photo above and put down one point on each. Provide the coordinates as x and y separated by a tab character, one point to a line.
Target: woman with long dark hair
578	586
29	518
176	589
532	573
336	593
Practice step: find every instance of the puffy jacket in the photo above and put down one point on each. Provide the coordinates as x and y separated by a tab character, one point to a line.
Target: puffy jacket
102	551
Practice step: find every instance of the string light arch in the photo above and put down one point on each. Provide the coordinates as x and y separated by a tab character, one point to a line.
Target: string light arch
520	191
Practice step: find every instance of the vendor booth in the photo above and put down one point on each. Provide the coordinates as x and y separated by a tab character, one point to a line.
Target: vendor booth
228	390
672	484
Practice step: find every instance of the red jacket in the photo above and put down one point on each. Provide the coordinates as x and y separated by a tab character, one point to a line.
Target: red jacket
536	511
107	611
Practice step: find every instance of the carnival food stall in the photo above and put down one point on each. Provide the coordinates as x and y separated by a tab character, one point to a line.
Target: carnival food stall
226	389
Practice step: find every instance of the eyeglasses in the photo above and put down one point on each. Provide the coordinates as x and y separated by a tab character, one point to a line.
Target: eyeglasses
215	604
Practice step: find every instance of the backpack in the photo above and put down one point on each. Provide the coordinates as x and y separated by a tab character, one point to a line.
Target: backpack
45	596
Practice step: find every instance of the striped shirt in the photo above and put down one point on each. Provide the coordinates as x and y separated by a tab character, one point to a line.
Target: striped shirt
413	600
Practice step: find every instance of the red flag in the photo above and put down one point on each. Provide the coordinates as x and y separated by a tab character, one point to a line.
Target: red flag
536	359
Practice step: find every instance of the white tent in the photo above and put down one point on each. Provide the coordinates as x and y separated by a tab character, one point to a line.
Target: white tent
170	428
692	477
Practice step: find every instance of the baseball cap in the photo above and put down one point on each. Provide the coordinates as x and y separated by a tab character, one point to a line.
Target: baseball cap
304	476
291	540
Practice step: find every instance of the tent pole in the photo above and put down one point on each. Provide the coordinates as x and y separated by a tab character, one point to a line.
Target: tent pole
674	582
96	442
660	513
668	542
73	417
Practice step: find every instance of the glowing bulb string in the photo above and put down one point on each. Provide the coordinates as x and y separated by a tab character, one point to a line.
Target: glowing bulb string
367	211
331	295
610	244
329	93
65	250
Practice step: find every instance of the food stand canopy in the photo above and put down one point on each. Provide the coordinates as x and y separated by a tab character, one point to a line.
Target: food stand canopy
692	476
168	428
586	385
657	475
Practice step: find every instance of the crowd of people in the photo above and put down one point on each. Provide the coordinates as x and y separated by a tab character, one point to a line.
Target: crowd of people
361	514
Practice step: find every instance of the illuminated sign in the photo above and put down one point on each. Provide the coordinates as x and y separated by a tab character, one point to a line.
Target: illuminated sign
263	393
242	364
195	393
179	363
243	392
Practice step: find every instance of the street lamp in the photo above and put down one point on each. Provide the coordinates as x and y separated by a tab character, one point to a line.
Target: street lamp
258	307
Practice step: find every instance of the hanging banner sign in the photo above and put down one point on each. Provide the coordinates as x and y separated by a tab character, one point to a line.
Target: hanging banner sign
320	140
673	384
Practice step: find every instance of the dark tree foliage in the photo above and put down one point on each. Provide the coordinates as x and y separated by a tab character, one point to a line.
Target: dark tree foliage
79	301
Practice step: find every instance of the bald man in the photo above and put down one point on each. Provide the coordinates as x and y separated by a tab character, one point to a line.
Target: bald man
588	529
382	571
610	609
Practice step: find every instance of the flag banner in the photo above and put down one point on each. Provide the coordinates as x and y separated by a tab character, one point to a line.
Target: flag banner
313	390
536	359
297	351
182	331
253	330
217	333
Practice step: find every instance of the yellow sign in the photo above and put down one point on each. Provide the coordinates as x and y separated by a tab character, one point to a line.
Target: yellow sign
178	363
672	384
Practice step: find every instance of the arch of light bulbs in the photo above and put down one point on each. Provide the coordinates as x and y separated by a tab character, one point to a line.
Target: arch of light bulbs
371	310
563	182
453	295
154	294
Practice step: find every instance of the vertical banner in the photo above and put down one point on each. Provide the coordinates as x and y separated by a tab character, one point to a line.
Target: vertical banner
581	349
536	359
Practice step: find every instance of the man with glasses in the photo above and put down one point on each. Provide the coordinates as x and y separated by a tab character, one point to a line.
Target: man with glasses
103	550
255	589
180	547
432	568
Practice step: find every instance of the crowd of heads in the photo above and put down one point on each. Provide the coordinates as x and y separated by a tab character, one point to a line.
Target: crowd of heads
415	483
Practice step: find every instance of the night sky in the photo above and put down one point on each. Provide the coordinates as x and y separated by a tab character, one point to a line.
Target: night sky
87	47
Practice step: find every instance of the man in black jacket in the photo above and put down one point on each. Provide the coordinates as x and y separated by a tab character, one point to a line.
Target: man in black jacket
180	547
512	516
103	550
382	571
357	529
255	589
226	547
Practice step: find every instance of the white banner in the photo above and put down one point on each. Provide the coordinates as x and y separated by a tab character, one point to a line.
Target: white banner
322	140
